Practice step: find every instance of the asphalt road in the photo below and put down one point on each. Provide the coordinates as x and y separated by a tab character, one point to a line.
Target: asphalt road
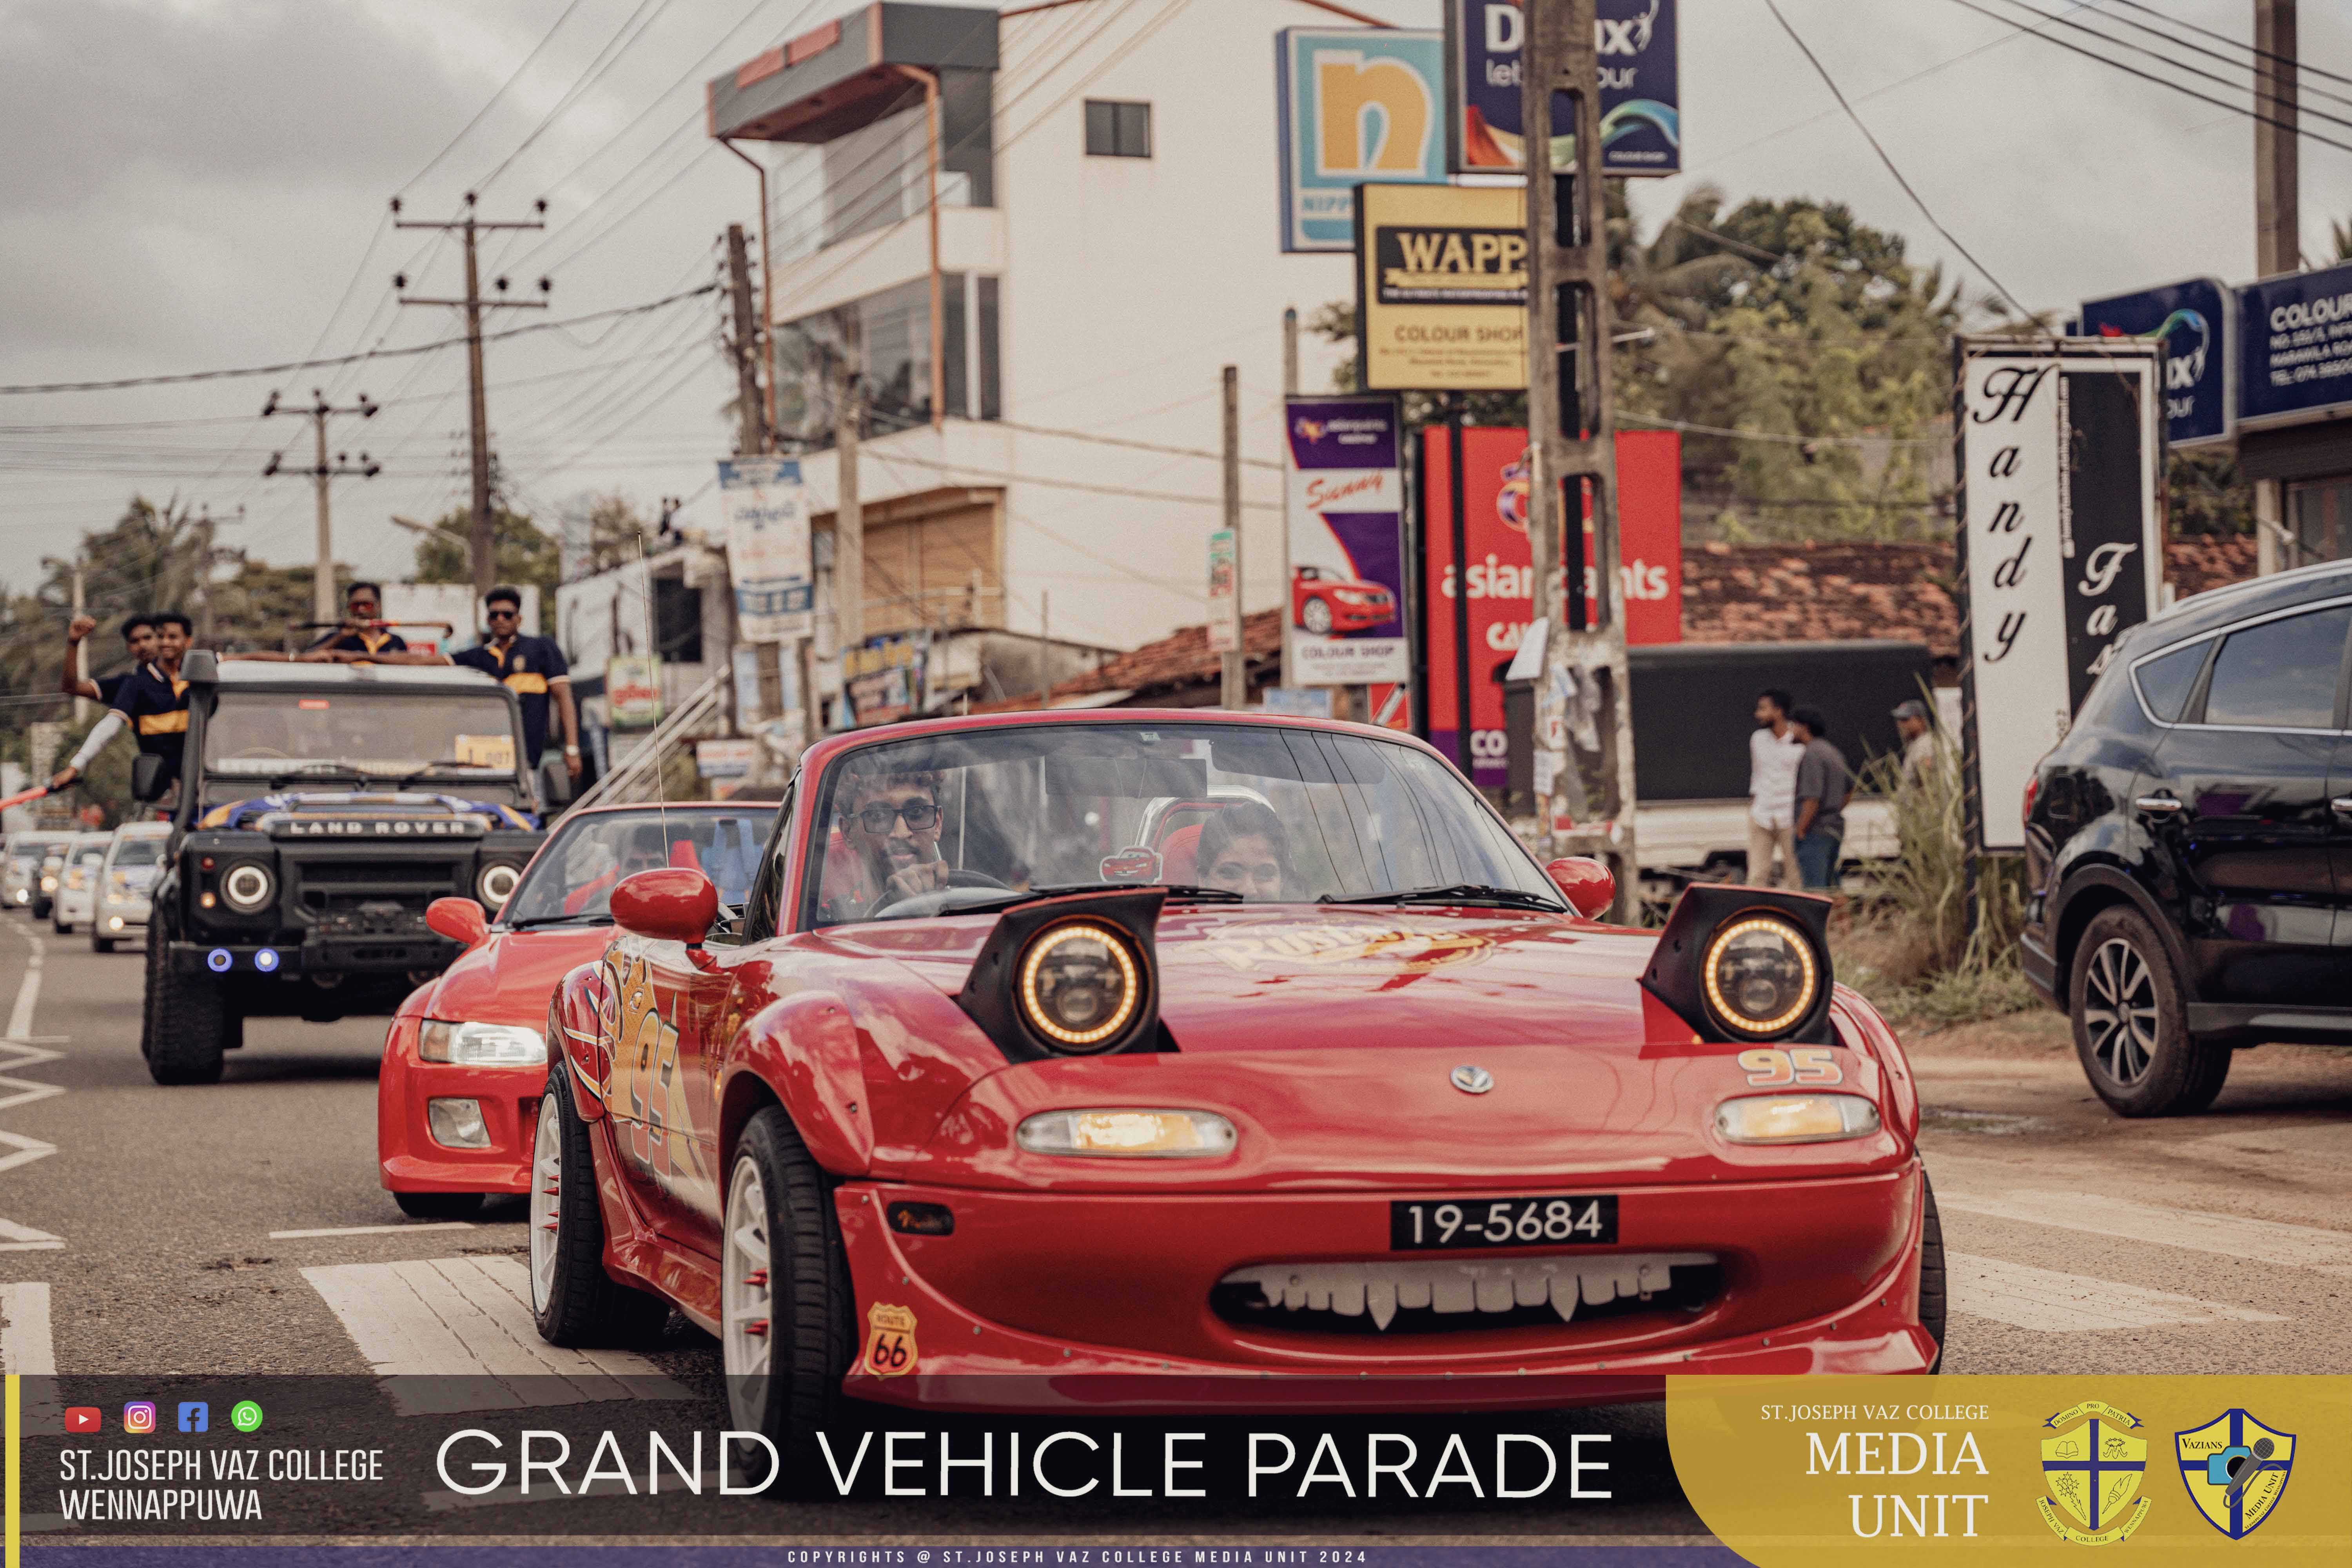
141	1229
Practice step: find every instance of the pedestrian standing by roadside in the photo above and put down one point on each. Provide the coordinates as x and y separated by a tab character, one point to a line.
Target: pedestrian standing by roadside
1823	783
1918	731
1773	755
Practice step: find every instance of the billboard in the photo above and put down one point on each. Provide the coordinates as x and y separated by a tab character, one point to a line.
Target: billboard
1344	509
2060	544
1501	576
633	691
1441	288
1640	92
1354	104
2294	347
2197	319
766	516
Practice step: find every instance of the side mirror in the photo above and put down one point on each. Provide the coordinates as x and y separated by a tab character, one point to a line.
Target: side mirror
1589	885
669	903
147	777
459	920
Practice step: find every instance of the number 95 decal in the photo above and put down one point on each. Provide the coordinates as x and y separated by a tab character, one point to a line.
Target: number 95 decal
1808	1065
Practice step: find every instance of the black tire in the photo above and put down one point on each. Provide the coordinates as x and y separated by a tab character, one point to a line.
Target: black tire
63	928
439	1205
102	944
1933	1300
189	1021
582	1304
811	1306
2131	1022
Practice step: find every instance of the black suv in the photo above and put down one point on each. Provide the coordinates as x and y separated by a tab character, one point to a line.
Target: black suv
323	807
2189	843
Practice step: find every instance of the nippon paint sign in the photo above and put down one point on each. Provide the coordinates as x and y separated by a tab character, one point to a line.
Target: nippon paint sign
1640	88
2060	544
1344	509
1355	104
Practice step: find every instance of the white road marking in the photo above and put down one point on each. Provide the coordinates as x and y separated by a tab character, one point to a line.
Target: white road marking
25	1348
2253	1240
28	994
14	1238
371	1229
2027	1297
18	1051
455	1333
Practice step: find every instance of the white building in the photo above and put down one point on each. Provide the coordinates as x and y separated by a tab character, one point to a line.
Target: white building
1107	239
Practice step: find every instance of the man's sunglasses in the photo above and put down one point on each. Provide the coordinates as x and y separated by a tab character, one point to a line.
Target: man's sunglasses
917	815
505	612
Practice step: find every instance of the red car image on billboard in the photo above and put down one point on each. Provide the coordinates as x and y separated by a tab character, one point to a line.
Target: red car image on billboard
1323	602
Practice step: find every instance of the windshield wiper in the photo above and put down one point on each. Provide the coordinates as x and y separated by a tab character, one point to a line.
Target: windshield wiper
1180	892
1459	893
582	917
1192	893
311	769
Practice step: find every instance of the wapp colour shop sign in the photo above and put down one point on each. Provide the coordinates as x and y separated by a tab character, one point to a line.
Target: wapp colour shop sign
2059	541
1441	288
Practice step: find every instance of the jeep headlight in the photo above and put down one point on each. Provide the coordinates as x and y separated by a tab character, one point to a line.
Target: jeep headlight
246	886
496	883
480	1044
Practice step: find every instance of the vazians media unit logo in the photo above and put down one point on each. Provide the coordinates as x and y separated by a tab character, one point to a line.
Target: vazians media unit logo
2235	1469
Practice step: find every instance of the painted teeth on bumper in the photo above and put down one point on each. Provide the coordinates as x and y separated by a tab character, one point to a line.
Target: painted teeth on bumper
1450	1285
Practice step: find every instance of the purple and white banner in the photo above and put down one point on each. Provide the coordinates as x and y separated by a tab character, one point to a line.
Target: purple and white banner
1344	514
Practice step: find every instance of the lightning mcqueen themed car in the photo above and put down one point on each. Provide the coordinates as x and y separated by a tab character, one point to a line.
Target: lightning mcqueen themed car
1241	1054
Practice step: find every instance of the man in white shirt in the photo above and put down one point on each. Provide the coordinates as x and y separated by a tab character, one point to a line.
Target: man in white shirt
1773	752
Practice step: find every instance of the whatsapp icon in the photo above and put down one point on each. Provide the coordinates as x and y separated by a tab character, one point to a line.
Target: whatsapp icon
244	1416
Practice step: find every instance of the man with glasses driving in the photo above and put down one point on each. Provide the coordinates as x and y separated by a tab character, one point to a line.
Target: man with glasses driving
890	835
533	668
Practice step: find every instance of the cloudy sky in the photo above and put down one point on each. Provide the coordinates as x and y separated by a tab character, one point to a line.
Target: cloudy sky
203	183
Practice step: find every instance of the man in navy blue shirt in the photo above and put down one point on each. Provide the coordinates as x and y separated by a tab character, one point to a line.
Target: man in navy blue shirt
137	641
152	702
534	669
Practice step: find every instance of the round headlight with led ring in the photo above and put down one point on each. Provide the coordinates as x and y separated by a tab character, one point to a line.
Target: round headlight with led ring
1080	987
497	883
1760	976
246	886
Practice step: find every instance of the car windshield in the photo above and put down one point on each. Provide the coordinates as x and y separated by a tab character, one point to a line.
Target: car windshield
1256	812
573	879
32	850
139	852
90	852
455	736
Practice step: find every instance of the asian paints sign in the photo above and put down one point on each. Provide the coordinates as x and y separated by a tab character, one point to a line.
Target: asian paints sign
1500	581
1640	115
1356	104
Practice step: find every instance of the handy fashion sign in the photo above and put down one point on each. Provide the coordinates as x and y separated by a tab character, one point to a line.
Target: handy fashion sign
2060	548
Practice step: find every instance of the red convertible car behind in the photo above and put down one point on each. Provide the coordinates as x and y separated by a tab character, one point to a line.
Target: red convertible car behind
1228	1055
464	1060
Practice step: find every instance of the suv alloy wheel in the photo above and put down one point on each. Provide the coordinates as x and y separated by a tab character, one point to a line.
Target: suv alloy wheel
2131	1028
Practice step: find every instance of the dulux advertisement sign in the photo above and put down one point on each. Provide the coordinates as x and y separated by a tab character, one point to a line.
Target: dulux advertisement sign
2294	347
2197	321
1641	116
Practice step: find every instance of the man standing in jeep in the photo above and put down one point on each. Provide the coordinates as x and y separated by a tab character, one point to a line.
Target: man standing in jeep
152	701
534	669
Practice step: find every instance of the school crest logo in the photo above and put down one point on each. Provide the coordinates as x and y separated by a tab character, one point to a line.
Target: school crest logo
2091	1466
2235	1469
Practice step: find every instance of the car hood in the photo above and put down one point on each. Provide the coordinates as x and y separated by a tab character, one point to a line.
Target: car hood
509	977
1305	976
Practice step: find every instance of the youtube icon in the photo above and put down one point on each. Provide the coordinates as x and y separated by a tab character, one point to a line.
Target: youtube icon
83	1418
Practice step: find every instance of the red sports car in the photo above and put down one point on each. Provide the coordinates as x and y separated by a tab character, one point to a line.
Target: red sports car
1325	602
1228	1055
464	1060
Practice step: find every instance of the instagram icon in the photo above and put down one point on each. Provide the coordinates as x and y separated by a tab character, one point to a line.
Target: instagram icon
139	1416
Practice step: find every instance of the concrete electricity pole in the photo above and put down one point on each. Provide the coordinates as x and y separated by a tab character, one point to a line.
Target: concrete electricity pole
2278	209
1573	440
324	607
752	439
206	559
81	650
849	514
1234	690
484	548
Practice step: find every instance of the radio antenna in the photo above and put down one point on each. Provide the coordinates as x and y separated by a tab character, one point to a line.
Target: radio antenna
653	648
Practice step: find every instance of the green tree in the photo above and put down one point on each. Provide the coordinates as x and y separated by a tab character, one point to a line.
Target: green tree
523	555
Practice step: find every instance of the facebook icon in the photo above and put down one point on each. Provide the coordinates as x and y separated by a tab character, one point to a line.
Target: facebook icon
195	1415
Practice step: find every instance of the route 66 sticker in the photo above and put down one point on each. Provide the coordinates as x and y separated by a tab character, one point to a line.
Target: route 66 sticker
889	1339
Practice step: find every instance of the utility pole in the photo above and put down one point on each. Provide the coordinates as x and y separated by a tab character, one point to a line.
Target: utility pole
2278	210
1573	440
484	548
81	649
1234	688
321	473
1286	648
849	514
206	559
753	440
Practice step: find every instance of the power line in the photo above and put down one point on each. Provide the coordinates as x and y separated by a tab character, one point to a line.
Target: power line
2231	62
2225	38
2160	81
347	359
2168	59
590	75
1835	92
479	113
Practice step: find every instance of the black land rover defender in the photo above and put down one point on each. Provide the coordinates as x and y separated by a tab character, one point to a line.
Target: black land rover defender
322	807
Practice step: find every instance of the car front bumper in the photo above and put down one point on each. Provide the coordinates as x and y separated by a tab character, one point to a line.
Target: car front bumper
1037	1298
411	1160
383	957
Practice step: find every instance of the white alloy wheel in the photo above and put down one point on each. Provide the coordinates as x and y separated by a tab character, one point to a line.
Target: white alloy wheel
746	1328
2119	1008
546	1194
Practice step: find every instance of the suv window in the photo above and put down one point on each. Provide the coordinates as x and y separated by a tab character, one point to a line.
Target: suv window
2165	681
2280	675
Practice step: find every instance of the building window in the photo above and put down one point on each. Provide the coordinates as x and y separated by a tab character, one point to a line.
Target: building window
887	335
1117	130
677	621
